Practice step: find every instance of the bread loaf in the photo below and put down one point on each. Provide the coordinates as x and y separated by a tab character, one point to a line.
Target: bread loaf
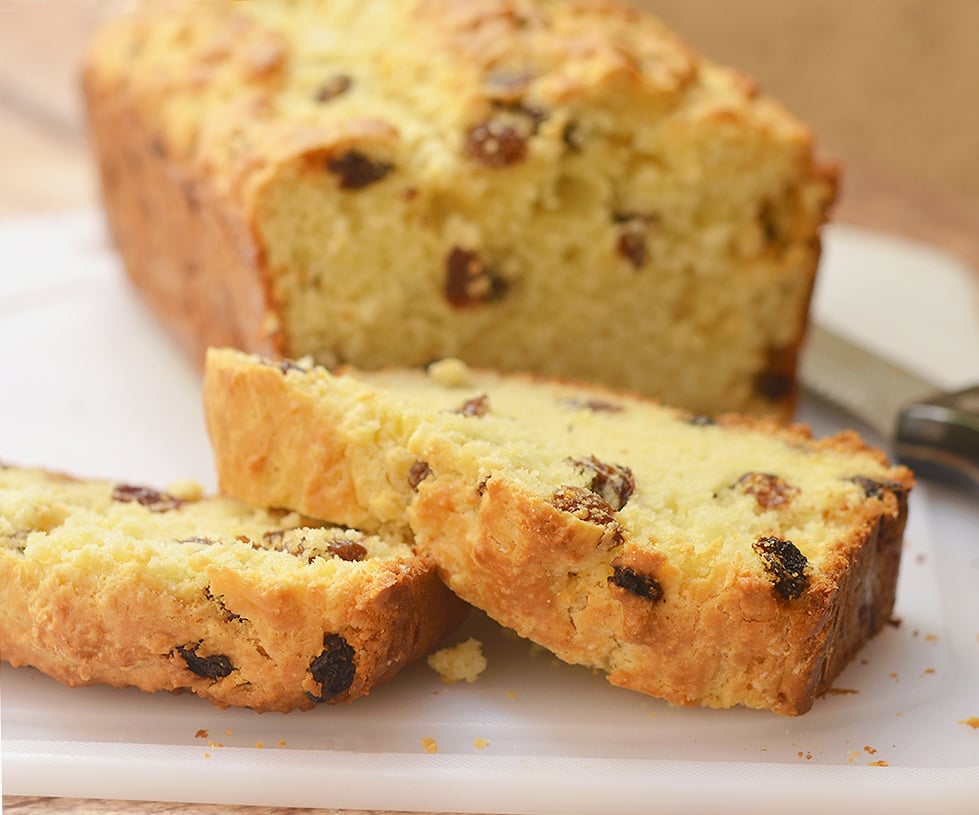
715	562
561	186
108	583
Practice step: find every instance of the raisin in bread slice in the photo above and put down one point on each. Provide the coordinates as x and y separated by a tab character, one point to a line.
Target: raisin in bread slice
114	584
709	562
394	182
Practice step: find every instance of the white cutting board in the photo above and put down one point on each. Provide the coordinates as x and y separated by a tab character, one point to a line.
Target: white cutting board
90	384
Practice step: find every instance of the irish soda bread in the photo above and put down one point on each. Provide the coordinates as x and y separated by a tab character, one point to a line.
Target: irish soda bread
558	186
114	584
711	562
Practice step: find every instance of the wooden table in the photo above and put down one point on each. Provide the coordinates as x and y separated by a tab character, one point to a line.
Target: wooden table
45	166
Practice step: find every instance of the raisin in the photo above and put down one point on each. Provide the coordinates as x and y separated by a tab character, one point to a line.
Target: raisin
596	405
417	473
641	585
589	507
572	138
273	538
773	385
153	500
876	489
347	550
769	220
613	482
215	666
333	669
356	171
632	246
785	564
477	406
769	490
496	143
335	86
777	380
469	281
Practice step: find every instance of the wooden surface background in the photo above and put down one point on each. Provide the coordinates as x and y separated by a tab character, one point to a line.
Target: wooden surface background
891	88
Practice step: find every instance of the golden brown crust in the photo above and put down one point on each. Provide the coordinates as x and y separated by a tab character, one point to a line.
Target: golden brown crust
207	610
184	245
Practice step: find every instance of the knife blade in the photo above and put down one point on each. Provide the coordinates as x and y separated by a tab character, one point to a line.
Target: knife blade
933	431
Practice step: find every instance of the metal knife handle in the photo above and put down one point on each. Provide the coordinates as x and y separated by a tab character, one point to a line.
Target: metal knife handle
939	437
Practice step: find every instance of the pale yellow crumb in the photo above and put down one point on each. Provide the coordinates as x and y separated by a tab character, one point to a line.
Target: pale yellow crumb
462	662
207	755
259	745
227	732
282	742
878	764
511	694
480	744
972	721
430	745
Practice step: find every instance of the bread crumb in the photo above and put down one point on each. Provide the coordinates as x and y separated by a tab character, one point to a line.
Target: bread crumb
841	691
430	745
480	744
201	734
972	721
259	745
511	694
878	764
449	373
282	742
207	755
185	489
464	661
868	749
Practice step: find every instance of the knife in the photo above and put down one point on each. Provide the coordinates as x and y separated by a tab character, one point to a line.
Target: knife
933	431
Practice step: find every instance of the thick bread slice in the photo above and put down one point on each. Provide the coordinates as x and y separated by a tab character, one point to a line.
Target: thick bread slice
710	562
107	583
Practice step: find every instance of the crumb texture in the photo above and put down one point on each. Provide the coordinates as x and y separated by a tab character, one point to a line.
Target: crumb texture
561	187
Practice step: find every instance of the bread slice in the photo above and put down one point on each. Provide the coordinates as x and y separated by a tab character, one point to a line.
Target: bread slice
714	562
560	187
108	583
